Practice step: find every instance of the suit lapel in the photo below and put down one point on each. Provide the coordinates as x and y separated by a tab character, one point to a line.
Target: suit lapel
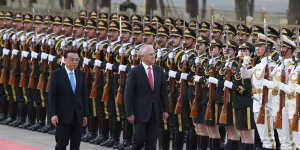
143	71
67	80
77	81
155	76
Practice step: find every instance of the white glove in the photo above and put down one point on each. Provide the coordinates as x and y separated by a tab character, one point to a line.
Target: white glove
245	73
228	84
35	39
159	54
25	54
23	38
172	74
197	60
245	61
122	68
171	55
267	83
122	50
197	78
15	52
213	80
5	37
44	40
183	76
184	58
297	89
34	54
228	64
5	51
85	46
44	56
109	49
97	63
14	37
51	42
86	61
133	52
63	44
50	58
74	43
285	88
99	47
109	66
62	60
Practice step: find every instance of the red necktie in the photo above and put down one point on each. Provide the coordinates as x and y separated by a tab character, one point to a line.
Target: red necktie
150	77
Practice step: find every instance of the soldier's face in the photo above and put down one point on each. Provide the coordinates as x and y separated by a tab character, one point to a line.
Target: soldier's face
102	34
9	23
216	35
138	38
126	36
91	33
254	38
72	61
150	38
204	33
189	42
28	26
163	39
68	30
261	50
245	52
39	27
202	47
114	35
79	31
215	51
176	41
57	28
229	52
19	25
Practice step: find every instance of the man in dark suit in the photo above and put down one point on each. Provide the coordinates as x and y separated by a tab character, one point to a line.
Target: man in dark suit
146	100
68	102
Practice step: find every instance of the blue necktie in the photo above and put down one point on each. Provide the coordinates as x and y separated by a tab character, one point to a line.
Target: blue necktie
72	80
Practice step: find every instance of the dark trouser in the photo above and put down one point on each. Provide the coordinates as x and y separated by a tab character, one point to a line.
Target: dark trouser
146	132
66	132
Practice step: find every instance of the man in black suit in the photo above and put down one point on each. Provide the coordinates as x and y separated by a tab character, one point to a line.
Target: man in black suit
146	100
68	102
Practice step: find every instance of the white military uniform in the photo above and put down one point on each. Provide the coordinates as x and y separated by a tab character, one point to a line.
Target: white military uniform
266	130
284	134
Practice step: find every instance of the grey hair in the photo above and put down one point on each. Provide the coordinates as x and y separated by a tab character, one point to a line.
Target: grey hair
144	48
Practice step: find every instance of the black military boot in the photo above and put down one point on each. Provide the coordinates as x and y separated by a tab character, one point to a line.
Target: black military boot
48	126
233	145
17	122
202	142
21	115
191	143
95	126
116	134
110	135
246	146
3	109
31	117
11	113
100	138
164	140
127	136
88	134
215	144
39	119
178	141
104	131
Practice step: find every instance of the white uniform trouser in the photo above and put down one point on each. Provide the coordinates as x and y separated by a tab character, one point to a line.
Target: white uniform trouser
266	130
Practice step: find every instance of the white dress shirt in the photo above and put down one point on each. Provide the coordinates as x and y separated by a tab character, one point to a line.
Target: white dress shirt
146	69
68	72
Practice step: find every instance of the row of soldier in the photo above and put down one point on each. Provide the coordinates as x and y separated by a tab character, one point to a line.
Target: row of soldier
224	82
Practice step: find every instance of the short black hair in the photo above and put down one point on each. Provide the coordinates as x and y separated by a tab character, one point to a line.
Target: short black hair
69	51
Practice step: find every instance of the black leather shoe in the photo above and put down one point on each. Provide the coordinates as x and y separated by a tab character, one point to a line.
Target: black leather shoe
45	129
35	126
2	116
7	120
106	142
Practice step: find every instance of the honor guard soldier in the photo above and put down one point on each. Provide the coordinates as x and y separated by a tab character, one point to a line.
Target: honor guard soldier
211	113
36	50
261	89
136	19
109	91
201	91
149	35
255	29
169	23
229	32
183	103
98	83
243	33
26	98
217	31
281	93
10	102
43	79
93	15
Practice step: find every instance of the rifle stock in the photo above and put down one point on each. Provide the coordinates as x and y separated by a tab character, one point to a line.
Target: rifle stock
31	81
12	75
172	88
178	108
94	89
22	82
51	67
261	113
119	97
295	121
194	109
224	112
5	66
208	111
278	119
105	95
